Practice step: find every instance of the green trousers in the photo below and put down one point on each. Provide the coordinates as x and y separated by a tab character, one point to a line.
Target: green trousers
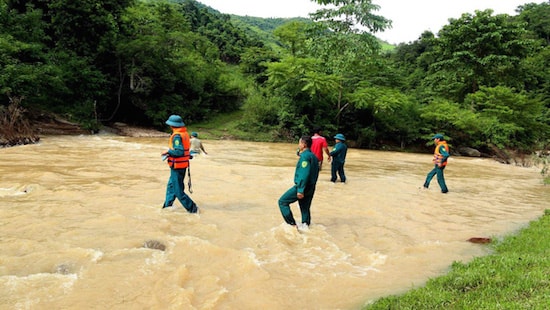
440	178
290	196
175	189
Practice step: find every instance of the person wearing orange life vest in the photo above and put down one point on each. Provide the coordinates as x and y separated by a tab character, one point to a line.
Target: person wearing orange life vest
178	157
441	153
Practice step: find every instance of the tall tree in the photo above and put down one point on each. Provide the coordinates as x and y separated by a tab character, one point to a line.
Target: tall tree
508	119
537	19
166	68
293	36
478	50
343	39
25	69
347	16
86	27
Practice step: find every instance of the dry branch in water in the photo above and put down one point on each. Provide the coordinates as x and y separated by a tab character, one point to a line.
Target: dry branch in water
14	126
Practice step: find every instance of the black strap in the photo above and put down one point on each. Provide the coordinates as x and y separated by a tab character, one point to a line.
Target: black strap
189	180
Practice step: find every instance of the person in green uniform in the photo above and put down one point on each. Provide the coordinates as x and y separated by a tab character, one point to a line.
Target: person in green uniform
441	154
305	179
177	156
338	156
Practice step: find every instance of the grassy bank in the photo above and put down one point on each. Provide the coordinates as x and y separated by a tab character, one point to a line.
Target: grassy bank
515	276
228	126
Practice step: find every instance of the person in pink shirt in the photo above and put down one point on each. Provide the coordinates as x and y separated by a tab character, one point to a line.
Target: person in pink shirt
319	145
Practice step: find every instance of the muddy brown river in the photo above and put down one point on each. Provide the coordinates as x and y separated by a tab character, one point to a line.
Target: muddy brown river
75	212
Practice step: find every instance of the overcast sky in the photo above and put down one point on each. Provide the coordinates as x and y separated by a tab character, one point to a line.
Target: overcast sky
409	18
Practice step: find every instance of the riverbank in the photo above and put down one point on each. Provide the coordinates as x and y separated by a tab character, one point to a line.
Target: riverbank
55	126
515	276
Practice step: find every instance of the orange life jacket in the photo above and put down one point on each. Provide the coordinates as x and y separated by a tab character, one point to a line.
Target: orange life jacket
438	158
183	161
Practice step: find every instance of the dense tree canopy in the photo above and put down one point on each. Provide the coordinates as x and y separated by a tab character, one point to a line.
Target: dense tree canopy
483	79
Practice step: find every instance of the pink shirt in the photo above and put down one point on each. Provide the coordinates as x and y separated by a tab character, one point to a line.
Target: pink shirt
317	146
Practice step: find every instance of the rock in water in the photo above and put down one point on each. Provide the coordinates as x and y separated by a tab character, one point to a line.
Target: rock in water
63	269
154	244
479	240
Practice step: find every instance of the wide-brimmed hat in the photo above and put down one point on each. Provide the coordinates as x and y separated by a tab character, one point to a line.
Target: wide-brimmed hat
175	121
340	137
438	136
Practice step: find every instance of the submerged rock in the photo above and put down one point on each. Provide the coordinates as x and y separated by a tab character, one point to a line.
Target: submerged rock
63	269
154	244
479	240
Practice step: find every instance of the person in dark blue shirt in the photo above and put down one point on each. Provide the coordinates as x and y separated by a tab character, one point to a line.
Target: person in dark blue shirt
338	157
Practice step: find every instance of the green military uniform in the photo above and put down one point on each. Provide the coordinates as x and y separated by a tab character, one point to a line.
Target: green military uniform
177	157
305	179
338	155
175	187
441	154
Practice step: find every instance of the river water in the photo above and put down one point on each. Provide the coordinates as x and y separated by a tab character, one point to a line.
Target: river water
75	212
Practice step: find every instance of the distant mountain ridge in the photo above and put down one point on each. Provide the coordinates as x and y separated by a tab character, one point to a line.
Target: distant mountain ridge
262	29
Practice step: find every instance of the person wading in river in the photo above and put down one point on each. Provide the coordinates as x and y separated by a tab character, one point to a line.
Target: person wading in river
305	180
338	156
196	145
178	159
319	146
441	153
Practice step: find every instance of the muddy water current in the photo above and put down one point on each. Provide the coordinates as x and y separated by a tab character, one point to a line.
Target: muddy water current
75	212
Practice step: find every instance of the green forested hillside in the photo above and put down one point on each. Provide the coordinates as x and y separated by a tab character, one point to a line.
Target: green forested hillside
263	28
483	80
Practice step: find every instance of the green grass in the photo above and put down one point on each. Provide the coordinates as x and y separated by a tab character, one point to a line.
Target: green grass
228	127
386	47
515	276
